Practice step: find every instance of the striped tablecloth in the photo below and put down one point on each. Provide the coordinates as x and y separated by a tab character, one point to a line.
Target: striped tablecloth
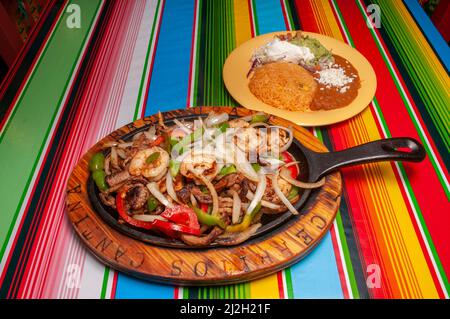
71	86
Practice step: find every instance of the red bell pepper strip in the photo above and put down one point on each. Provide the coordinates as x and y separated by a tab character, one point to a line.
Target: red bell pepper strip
204	207
166	227
158	140
182	215
287	158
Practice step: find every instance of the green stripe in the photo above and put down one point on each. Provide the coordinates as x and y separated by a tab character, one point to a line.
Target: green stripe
104	283
289	288
289	14
23	140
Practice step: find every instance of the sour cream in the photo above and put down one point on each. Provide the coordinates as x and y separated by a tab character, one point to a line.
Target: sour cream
277	50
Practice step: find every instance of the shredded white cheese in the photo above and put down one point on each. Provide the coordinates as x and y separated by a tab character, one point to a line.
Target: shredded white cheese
334	76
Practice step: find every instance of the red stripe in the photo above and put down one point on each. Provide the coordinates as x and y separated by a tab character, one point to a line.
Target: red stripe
114	285
280	284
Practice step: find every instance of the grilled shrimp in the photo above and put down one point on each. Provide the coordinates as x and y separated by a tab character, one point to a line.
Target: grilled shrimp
238	123
250	139
140	164
201	162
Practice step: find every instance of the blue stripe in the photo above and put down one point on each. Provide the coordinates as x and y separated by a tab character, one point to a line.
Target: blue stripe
169	82
133	288
168	90
317	275
269	16
433	36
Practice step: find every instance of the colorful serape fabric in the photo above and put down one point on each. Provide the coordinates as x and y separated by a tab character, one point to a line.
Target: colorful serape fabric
129	59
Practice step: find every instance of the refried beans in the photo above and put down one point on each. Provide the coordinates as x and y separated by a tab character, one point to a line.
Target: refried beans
329	97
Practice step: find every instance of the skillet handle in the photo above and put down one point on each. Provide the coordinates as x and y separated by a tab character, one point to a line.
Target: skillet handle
391	149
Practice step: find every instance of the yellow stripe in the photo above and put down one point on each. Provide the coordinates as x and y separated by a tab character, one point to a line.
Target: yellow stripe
241	21
266	287
392	218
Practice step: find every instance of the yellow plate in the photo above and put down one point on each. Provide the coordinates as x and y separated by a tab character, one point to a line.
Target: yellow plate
238	64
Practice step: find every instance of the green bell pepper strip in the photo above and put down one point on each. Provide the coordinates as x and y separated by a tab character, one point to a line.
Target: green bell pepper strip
152	203
209	220
188	139
293	192
99	178
256	167
258	118
97	162
152	157
246	221
226	170
223	127
174	167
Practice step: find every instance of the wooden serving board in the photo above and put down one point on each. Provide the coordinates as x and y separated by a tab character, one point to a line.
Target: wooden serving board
253	259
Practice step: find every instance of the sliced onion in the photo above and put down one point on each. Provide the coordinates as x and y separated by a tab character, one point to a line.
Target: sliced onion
244	166
153	188
215	119
260	189
121	153
212	191
110	144
193	201
236	207
125	145
183	127
170	189
286	175
202	124
291	137
150	134
264	203
106	165
114	158
148	218
281	196
135	137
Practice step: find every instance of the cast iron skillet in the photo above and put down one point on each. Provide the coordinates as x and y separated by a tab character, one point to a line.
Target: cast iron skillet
313	166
